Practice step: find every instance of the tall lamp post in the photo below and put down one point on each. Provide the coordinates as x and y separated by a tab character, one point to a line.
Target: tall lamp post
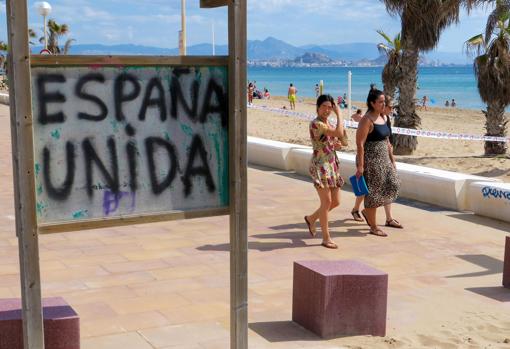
44	9
182	33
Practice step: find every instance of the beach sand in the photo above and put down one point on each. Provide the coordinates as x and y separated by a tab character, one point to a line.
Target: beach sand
451	155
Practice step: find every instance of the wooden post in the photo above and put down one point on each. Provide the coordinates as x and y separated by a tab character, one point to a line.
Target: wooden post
20	99
238	175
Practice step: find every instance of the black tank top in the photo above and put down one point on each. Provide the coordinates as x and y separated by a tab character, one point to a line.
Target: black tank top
379	132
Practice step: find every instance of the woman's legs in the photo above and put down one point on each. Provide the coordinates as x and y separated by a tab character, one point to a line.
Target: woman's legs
355	209
330	198
370	215
390	221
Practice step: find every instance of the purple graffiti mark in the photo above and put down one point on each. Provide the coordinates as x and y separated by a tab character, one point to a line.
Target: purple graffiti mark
111	201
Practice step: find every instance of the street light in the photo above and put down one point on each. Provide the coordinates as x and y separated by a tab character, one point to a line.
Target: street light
44	9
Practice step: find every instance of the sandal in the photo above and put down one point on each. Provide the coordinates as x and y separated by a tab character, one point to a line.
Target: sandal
393	223
366	219
312	231
377	232
329	244
357	217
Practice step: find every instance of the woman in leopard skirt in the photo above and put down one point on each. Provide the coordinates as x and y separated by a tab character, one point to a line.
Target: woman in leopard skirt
374	159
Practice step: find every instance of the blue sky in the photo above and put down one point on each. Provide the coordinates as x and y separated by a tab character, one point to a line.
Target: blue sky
299	22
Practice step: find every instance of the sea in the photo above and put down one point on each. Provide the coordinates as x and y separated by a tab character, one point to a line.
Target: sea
437	83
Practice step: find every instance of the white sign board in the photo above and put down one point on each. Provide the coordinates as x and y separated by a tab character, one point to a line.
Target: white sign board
129	140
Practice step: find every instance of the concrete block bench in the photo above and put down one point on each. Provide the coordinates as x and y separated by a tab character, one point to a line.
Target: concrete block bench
506	265
61	324
338	298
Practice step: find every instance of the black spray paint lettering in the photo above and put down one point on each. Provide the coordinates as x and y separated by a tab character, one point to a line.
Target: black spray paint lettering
108	167
92	98
45	97
127	88
103	163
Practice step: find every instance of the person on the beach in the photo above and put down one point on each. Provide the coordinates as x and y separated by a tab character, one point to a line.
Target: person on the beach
317	90
447	103
374	160
357	116
324	166
390	221
424	102
292	96
251	89
453	104
267	95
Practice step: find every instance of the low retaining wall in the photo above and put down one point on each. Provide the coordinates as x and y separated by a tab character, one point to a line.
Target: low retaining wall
4	98
456	191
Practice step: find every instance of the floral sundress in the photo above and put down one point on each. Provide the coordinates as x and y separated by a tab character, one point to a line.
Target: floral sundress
324	166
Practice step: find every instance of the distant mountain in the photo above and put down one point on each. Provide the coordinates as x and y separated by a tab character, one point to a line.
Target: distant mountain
268	50
312	57
347	52
272	48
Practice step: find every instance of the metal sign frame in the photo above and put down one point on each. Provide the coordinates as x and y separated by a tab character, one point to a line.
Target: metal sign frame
20	95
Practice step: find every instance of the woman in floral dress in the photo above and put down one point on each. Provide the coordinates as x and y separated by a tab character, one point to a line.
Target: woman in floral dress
324	166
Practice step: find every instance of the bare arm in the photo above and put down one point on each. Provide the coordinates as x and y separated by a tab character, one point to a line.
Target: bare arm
361	136
338	131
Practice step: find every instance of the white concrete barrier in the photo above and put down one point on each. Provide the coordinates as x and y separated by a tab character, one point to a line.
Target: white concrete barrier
4	98
443	188
490	199
269	153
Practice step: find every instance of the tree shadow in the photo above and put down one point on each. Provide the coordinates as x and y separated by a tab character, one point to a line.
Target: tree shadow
282	331
490	264
500	293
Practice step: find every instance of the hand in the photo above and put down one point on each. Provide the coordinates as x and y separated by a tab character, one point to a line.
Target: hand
337	145
359	172
336	110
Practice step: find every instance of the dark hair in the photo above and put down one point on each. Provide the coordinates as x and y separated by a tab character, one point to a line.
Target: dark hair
324	98
291	84
373	94
358	111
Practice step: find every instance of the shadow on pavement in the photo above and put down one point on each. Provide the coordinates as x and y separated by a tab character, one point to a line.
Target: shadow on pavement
497	293
490	264
282	331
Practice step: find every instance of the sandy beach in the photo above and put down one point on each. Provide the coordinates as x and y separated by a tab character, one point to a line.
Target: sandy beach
452	155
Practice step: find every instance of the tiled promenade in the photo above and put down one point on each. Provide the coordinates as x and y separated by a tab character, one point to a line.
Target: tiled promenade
166	285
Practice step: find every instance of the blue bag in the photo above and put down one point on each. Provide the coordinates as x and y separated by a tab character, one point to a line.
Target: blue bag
359	186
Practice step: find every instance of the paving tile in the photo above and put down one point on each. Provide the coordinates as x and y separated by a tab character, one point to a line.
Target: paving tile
131	340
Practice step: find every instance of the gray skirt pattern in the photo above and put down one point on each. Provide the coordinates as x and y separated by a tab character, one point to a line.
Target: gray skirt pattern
382	180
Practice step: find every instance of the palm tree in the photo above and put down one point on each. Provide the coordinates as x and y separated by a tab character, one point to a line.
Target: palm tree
392	73
55	31
492	70
422	22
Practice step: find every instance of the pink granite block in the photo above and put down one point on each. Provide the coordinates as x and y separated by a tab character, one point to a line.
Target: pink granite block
61	324
339	298
506	266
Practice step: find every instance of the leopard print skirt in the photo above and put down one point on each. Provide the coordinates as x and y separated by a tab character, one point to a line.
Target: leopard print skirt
382	180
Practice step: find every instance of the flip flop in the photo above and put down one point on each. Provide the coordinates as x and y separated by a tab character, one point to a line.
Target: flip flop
329	244
393	223
312	233
357	217
377	232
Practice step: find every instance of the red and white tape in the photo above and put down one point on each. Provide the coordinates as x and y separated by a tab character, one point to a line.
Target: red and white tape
396	130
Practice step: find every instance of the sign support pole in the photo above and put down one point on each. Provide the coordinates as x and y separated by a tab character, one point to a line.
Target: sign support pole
23	168
237	34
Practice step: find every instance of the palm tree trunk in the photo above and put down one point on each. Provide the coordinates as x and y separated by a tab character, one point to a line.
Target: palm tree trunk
407	117
495	124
